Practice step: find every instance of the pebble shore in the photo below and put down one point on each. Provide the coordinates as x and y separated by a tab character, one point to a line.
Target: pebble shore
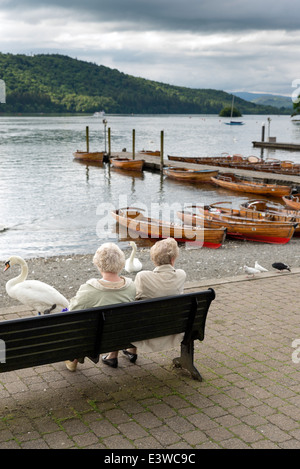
67	273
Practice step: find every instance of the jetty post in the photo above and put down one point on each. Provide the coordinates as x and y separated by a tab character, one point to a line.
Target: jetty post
133	144
109	141
104	121
161	150
87	139
263	132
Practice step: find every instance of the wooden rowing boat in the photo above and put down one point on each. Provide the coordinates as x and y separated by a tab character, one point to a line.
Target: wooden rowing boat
185	174
292	201
151	228
235	183
238	227
151	152
210	160
252	163
230	213
263	209
94	156
127	163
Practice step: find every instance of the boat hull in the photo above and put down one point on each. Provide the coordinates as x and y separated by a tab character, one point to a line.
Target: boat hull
154	229
292	202
266	233
184	174
151	152
261	209
95	156
240	185
128	164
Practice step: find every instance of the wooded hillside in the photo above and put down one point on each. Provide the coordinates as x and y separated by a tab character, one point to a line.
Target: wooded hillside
60	84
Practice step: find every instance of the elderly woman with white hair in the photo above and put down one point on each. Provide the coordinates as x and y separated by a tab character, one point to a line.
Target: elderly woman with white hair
110	289
164	280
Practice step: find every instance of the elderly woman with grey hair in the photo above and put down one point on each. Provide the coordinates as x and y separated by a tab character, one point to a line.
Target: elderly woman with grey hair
110	289
164	280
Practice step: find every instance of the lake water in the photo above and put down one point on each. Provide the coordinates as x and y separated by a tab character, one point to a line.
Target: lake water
53	205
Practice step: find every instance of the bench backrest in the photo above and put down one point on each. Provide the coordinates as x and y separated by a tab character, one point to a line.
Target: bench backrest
40	340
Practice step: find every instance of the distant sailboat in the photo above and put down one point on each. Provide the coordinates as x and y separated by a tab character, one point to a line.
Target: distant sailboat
233	122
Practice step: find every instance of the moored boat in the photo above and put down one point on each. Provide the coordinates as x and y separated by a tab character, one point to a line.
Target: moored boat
239	227
127	163
263	209
95	156
235	183
133	219
209	160
251	163
292	201
151	152
185	174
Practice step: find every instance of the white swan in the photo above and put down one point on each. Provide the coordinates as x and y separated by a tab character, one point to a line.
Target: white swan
33	293
133	264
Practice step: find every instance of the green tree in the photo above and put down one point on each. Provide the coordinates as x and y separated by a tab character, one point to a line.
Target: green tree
226	112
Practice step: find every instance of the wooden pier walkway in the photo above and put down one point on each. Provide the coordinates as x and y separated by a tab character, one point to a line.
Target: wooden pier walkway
277	146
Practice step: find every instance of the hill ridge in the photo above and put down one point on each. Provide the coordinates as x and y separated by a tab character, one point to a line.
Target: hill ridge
55	83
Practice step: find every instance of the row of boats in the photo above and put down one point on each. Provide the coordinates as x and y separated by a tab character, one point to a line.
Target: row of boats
228	181
210	225
128	164
252	163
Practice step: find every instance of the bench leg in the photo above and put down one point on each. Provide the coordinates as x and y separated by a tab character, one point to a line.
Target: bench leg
186	360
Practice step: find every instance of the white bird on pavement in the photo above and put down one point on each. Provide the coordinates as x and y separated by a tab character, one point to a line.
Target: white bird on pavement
251	270
259	267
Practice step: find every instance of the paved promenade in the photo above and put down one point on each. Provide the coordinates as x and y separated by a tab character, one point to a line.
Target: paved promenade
249	397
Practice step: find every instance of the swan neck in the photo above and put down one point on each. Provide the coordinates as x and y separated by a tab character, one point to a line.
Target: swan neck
132	253
23	275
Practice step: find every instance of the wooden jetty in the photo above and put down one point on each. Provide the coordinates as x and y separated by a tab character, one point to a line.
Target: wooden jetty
277	145
152	163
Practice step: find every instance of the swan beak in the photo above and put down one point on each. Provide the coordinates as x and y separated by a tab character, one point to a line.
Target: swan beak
7	266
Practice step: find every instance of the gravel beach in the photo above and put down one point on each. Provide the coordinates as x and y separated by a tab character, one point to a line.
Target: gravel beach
67	273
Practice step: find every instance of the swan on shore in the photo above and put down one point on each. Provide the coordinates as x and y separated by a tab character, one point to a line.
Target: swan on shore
37	295
133	264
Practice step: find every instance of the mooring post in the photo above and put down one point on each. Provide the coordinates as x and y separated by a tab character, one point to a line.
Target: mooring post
133	144
161	150
87	139
263	132
109	142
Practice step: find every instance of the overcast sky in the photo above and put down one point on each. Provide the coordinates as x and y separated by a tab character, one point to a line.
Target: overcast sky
231	45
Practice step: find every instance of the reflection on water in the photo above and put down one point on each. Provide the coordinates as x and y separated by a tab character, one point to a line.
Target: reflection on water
52	204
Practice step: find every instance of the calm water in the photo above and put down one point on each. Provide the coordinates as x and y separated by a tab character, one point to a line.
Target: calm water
53	205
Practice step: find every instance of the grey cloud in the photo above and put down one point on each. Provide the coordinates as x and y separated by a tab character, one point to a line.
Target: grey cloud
263	61
189	15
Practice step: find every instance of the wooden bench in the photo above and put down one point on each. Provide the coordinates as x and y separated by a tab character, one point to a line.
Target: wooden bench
41	340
